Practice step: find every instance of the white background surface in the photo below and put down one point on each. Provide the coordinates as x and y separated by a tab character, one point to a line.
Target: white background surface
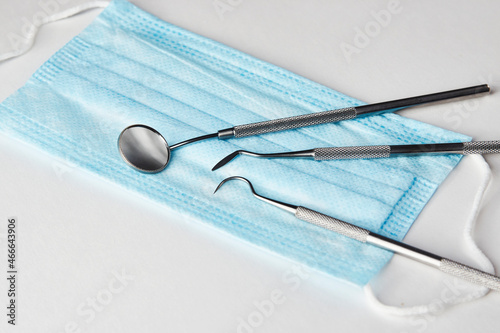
76	232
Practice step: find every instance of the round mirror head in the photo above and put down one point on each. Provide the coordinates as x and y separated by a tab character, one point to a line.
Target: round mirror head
143	148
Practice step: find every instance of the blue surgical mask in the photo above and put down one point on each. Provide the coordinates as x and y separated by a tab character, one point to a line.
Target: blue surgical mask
129	67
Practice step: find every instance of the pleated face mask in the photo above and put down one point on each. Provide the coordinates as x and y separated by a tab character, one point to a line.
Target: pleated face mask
129	67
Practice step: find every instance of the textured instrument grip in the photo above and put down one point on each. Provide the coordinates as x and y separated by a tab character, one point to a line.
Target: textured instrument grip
330	223
342	153
294	122
482	147
470	274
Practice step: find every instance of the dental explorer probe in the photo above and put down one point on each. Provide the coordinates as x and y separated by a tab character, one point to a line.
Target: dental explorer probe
365	236
356	152
146	150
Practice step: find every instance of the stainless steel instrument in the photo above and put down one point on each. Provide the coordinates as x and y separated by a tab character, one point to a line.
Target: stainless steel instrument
146	150
365	236
355	152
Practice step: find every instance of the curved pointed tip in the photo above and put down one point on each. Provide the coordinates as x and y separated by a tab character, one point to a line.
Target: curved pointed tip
226	160
232	178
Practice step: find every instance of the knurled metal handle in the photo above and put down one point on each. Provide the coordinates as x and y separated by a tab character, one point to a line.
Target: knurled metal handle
470	274
482	147
340	153
294	122
330	223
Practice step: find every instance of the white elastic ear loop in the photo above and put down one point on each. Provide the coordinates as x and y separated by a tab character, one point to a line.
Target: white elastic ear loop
483	261
55	17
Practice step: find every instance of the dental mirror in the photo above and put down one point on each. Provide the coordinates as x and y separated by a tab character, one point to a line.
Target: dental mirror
146	150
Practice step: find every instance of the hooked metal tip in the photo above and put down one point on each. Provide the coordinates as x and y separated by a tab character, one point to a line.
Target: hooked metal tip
289	208
238	178
226	160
